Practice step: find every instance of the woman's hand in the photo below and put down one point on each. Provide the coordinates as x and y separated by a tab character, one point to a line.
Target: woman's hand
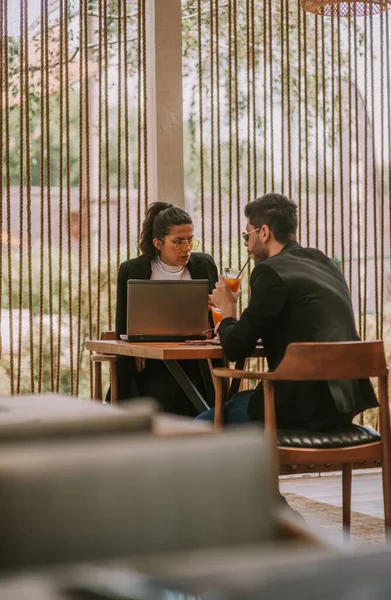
210	302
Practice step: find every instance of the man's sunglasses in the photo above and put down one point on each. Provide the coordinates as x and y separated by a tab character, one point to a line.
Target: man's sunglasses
246	234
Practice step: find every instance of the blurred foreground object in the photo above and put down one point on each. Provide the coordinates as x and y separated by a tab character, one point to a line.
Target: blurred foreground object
106	498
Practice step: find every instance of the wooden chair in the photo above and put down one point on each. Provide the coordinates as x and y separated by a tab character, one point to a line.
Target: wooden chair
342	448
112	359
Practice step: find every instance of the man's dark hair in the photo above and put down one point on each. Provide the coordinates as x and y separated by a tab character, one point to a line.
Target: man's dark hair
160	218
277	212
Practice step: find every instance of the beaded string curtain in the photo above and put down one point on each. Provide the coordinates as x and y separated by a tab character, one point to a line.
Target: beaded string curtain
73	170
274	99
287	101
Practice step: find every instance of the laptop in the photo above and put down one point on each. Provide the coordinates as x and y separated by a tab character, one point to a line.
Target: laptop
167	311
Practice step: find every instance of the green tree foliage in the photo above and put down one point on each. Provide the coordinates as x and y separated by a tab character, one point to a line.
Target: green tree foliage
264	58
280	54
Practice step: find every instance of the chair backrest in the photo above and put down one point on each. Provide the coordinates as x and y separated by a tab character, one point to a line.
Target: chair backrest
107	335
331	360
107	499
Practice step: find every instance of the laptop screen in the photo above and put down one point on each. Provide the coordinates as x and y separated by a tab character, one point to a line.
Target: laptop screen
167	308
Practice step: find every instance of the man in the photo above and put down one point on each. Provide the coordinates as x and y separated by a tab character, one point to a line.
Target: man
297	295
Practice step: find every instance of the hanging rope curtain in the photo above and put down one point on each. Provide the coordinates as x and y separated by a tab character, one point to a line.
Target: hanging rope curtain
341	8
275	99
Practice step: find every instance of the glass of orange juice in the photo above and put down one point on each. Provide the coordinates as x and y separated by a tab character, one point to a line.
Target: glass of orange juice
232	278
217	315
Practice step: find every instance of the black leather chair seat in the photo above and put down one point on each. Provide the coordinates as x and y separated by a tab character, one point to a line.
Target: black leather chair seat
354	435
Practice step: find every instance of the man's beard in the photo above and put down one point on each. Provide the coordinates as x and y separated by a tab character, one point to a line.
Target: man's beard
259	253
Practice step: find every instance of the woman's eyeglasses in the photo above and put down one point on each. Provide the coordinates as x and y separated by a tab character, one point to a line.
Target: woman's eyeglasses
246	234
183	244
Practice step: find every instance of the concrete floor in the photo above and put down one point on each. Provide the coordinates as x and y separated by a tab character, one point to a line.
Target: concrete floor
367	495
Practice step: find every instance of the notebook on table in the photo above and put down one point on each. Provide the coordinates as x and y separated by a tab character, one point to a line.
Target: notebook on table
167	311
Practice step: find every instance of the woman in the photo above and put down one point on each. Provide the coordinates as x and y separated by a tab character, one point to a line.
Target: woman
167	241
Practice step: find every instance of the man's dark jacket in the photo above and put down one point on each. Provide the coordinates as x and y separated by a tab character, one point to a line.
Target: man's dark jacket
200	265
298	295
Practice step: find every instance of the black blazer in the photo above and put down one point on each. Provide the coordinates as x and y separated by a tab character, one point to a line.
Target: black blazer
200	265
298	295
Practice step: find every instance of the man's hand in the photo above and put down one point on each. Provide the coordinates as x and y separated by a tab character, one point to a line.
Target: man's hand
224	298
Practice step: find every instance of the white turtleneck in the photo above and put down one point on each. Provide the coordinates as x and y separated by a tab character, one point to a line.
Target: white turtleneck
162	271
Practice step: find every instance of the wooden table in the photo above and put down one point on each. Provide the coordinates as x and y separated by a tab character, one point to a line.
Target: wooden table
171	353
156	350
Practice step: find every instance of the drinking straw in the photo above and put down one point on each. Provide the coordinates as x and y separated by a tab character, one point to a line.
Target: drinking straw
244	266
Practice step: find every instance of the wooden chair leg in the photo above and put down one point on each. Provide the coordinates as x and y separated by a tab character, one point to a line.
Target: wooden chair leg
219	402
113	382
271	432
386	476
346	496
98	381
385	432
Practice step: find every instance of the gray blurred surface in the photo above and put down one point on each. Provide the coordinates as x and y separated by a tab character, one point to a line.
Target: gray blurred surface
108	497
54	416
271	572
